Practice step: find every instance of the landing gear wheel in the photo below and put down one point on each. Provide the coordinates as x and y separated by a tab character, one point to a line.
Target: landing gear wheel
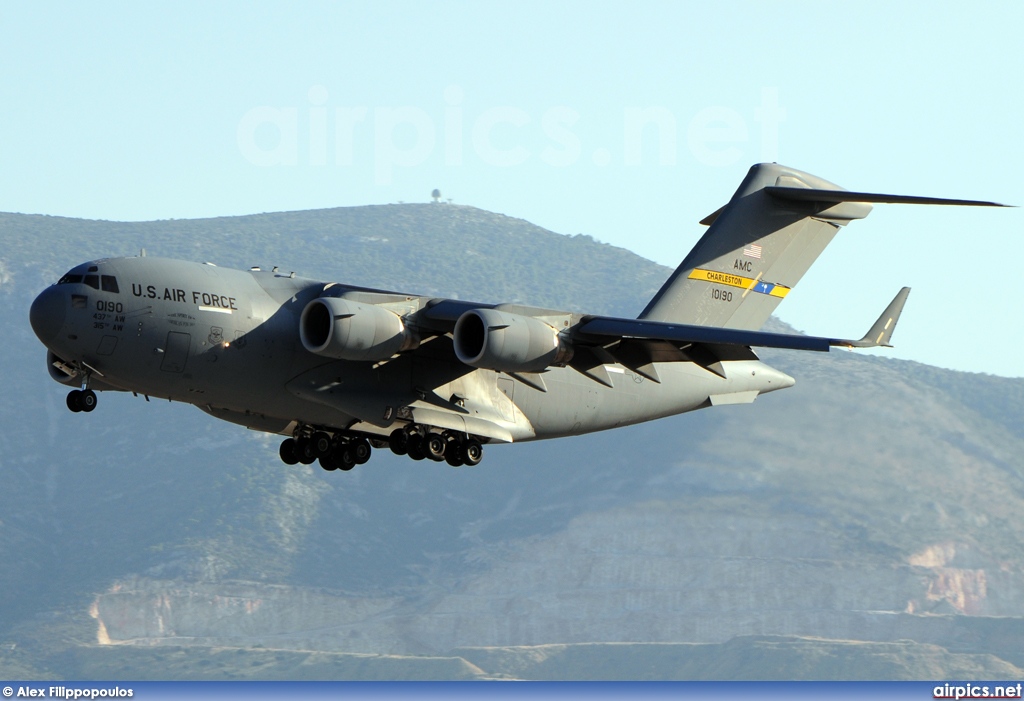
287	451
321	444
415	447
453	452
398	441
87	400
345	458
434	447
304	451
74	400
361	450
329	462
472	452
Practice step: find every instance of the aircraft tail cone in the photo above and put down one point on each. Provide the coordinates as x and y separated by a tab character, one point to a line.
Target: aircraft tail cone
772	379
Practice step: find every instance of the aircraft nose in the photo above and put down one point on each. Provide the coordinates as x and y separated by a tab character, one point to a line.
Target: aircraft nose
47	314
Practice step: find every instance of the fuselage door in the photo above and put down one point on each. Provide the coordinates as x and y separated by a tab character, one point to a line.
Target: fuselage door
175	351
506	388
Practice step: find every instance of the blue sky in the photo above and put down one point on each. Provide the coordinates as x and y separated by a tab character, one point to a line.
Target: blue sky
627	123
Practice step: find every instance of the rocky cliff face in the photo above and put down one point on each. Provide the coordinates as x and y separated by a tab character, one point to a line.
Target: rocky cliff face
655	572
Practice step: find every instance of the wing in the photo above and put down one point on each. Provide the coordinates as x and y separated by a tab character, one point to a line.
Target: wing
608	327
639	344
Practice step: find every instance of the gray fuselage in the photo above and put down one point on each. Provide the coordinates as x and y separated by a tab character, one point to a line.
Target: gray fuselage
228	342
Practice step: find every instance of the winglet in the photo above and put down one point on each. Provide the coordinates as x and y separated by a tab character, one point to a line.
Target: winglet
881	332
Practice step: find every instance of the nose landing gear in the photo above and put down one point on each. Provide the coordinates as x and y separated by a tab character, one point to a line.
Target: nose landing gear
81	400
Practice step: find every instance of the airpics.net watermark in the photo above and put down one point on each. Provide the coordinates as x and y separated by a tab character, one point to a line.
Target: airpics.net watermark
977	691
391	138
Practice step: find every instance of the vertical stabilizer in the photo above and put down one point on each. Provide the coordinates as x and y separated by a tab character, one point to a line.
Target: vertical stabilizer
757	248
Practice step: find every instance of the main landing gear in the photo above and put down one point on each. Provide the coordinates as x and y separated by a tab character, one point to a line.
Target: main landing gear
419	443
343	452
81	400
334	452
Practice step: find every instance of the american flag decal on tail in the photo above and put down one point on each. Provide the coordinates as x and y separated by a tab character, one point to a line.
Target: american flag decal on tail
752	251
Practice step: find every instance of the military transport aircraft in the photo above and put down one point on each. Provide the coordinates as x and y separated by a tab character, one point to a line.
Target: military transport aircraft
340	370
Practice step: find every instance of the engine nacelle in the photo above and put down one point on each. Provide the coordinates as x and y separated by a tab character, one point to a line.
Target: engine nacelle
347	330
494	340
61	371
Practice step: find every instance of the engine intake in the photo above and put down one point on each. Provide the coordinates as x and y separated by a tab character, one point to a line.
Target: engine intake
347	330
495	340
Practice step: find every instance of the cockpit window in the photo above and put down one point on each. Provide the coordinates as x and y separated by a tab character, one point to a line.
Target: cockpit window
109	283
93	268
69	279
92	281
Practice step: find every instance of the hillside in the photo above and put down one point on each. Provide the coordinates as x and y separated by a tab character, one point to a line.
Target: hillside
876	501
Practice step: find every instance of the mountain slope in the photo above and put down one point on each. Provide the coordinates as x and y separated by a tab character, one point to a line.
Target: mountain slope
876	500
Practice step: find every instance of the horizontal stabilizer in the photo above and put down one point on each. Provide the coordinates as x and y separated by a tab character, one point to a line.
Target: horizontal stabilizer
805	194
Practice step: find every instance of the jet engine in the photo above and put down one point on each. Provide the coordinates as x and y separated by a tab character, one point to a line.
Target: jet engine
495	340
347	330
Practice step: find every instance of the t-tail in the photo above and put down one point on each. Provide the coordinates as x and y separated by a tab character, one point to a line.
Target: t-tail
760	244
